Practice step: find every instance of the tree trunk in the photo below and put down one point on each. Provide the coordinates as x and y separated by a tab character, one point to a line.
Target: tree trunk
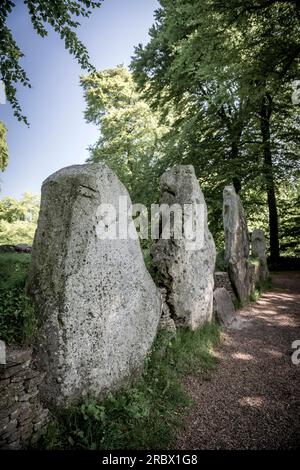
235	131
234	155
265	114
234	125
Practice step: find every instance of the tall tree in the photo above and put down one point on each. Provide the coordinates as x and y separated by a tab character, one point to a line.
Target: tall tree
18	219
229	61
130	133
271	42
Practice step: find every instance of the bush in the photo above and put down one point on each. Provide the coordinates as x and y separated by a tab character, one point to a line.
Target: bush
16	232
17	318
147	414
220	261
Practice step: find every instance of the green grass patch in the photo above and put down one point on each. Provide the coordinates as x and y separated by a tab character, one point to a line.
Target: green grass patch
14	269
145	415
17	318
260	288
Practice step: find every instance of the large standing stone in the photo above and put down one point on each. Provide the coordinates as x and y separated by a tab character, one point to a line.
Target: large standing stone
98	306
184	268
236	243
258	250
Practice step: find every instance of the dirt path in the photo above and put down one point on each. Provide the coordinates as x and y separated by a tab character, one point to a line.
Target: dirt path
253	399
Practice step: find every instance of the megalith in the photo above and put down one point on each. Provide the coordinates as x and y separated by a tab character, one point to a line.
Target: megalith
236	243
97	305
184	265
258	251
224	307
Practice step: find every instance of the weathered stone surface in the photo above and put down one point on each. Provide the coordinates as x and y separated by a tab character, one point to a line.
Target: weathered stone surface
258	250
3	382
166	320
236	243
16	415
99	308
4	413
11	426
18	356
21	248
183	268
221	279
14	370
223	306
15	445
254	275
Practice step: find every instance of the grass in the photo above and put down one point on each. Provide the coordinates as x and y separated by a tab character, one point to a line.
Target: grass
259	289
14	269
145	415
17	318
148	414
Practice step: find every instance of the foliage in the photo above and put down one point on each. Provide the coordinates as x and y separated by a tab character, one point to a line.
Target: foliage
220	260
3	147
18	219
260	288
147	414
62	16
17	317
130	133
288	202
289	230
226	68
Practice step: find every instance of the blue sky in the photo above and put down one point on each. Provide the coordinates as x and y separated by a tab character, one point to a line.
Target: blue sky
58	135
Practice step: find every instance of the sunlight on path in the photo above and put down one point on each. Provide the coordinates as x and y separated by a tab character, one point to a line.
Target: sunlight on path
252	401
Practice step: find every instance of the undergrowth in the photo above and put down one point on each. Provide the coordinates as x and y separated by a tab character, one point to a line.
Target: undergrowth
221	265
17	318
145	415
260	288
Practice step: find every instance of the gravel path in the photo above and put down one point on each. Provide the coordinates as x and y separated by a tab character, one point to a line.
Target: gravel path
253	398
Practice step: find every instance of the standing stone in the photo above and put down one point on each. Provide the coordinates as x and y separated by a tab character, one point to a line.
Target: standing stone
221	279
166	321
258	250
184	266
254	273
236	243
97	304
223	306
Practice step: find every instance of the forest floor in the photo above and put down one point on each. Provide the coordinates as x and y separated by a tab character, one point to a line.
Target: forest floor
253	398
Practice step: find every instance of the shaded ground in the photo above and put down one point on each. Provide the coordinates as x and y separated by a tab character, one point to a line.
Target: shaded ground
253	398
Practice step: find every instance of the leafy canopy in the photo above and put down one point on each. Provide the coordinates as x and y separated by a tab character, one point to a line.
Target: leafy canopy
217	64
62	16
130	132
18	219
